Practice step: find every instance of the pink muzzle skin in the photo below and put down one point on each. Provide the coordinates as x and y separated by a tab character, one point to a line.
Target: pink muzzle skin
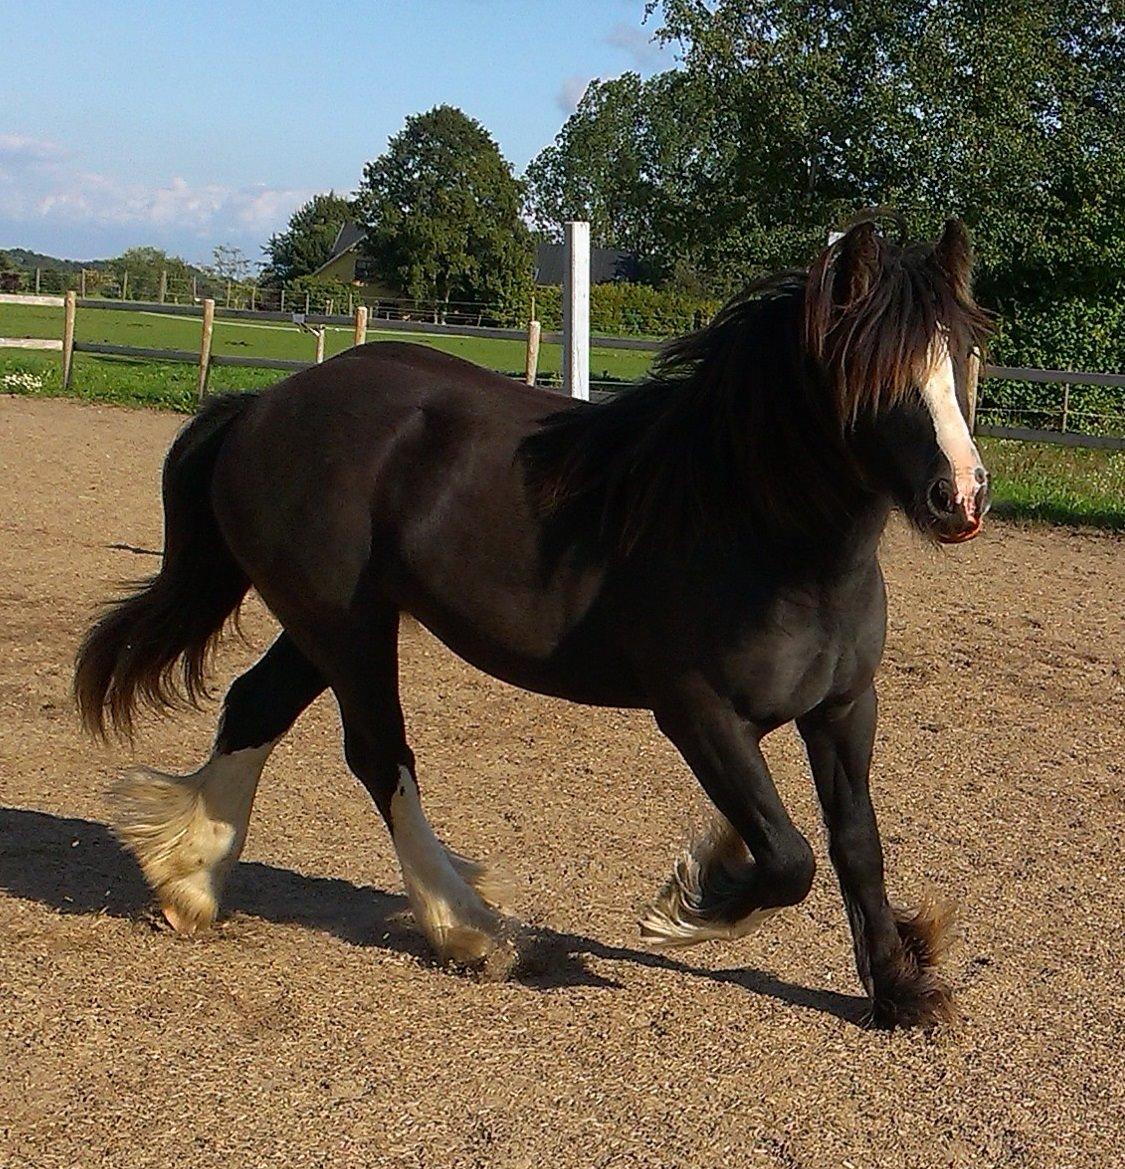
970	504
962	537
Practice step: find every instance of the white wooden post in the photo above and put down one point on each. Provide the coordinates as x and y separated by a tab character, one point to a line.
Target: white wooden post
163	284
576	310
360	337
70	306
319	333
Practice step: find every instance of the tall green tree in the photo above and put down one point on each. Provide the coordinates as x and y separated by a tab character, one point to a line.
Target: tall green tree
788	115
1008	113
624	161
441	209
306	244
144	266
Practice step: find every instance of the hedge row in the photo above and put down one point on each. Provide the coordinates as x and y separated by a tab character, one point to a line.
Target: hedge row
622	310
1074	334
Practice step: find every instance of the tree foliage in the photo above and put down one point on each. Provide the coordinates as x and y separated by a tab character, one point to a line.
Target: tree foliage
306	244
144	267
789	115
229	262
441	210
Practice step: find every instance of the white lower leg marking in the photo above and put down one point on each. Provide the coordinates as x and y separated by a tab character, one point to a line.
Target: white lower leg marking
187	831
451	914
939	392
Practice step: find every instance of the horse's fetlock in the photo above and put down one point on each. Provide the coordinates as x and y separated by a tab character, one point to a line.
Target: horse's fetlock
789	878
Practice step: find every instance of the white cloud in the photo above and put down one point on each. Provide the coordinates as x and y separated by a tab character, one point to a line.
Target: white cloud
40	186
17	151
570	94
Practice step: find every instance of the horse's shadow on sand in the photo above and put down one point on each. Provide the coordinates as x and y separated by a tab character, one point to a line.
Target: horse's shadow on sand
76	866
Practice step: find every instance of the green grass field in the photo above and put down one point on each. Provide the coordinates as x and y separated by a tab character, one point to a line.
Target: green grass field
285	341
1030	481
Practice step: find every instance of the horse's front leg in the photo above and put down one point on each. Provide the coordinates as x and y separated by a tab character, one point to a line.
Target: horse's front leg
753	861
896	953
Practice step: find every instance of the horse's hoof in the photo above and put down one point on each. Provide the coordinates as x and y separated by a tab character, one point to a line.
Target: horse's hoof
187	925
923	1006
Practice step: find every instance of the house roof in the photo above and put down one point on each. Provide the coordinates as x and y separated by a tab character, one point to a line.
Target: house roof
347	238
606	264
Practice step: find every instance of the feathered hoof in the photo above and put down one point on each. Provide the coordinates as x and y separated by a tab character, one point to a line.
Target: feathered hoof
187	923
495	887
912	992
182	853
484	952
705	898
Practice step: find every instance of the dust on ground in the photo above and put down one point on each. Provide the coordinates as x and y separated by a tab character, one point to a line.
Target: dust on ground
311	1027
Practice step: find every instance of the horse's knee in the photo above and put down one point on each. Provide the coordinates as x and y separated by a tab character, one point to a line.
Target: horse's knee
789	873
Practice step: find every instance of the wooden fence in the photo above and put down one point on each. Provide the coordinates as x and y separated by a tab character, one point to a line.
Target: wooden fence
315	323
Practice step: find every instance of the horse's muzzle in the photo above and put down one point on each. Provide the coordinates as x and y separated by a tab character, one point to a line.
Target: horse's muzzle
956	520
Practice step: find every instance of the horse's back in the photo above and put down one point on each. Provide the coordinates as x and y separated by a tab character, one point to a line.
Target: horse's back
397	467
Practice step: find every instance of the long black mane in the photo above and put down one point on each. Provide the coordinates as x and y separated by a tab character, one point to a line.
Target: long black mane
743	426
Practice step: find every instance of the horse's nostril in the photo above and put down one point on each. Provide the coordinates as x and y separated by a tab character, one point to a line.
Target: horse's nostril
980	475
940	497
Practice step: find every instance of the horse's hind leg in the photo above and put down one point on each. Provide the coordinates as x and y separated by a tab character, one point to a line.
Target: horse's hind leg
454	900
187	831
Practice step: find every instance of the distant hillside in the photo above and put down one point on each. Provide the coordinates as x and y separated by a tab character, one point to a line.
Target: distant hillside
26	259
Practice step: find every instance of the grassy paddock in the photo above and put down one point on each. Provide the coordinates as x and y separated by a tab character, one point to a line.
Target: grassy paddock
1069	485
1030	481
285	341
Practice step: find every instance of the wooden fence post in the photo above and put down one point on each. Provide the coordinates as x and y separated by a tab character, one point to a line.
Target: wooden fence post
531	366
205	346
36	281
253	295
1066	406
70	307
125	285
319	344
163	284
282	308
360	325
82	284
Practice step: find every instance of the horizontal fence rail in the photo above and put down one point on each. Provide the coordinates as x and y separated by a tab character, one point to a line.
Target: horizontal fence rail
315	323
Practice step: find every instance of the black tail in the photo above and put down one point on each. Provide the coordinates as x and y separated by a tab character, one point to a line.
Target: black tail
153	646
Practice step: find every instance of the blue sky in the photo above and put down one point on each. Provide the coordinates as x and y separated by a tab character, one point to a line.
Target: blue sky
190	124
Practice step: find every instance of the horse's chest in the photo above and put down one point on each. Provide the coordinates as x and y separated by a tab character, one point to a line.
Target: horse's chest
780	670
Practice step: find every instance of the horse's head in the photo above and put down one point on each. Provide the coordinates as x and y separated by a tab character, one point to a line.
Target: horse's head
898	335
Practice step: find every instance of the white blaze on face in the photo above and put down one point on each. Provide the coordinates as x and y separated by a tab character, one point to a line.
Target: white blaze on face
939	392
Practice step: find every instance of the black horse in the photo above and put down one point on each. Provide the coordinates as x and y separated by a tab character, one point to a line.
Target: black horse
702	546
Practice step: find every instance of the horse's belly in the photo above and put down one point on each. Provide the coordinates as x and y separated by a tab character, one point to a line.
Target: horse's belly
531	644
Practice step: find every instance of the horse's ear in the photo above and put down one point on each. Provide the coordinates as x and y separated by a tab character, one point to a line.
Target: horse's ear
844	273
954	256
857	264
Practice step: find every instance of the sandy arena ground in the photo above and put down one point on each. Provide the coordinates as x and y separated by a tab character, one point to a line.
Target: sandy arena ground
311	1028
